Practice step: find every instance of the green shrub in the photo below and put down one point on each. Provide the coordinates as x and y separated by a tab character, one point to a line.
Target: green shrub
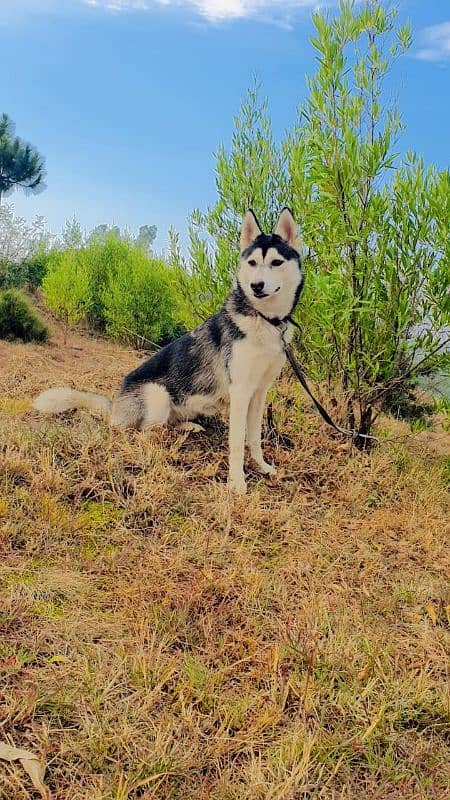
139	301
115	287
19	320
26	274
107	259
67	285
33	270
23	248
6	267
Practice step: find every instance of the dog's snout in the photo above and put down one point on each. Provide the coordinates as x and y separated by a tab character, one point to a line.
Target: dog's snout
257	287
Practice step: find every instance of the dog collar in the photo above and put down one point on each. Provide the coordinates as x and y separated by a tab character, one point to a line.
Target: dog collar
275	321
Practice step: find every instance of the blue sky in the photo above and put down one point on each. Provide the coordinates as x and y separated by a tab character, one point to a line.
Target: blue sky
129	99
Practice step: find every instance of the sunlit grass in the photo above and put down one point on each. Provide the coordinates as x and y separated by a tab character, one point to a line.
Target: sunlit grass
161	639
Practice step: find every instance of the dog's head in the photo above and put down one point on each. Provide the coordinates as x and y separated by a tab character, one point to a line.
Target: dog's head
270	272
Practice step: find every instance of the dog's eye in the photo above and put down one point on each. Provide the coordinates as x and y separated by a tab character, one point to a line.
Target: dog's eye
252	262
277	262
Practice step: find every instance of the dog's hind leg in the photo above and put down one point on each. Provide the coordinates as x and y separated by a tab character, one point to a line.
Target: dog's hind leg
147	406
157	405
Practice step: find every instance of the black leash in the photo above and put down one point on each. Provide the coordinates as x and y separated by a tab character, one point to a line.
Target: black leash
300	375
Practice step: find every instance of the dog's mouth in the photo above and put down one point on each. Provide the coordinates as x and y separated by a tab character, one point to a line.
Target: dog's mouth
262	295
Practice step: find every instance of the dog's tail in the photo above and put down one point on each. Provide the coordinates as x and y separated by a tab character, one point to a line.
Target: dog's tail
55	401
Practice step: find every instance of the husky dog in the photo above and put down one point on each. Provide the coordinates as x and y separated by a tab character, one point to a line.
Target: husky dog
234	356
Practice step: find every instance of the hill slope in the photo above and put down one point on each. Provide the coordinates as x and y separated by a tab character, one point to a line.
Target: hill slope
163	640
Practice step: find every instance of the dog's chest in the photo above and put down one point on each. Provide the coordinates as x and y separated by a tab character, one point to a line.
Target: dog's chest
258	357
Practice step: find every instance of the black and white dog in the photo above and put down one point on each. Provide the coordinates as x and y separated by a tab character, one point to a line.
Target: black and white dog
234	356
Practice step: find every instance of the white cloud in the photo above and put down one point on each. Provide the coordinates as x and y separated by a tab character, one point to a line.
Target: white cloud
279	12
435	42
212	10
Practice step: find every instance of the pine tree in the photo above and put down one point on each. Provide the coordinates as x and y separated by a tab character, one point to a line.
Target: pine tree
21	166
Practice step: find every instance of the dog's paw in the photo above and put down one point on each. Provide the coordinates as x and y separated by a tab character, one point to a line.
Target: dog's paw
237	484
266	469
190	427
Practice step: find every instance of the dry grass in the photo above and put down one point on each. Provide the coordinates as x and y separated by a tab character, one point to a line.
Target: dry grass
162	640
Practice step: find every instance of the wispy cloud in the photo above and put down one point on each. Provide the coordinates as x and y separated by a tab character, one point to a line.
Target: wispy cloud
279	12
212	10
435	43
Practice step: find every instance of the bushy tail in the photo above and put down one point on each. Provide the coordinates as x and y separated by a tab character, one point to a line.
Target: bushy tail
54	401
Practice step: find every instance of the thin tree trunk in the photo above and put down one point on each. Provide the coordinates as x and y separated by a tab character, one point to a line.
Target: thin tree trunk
365	426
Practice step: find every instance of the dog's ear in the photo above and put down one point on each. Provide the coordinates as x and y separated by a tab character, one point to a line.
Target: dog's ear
250	230
287	229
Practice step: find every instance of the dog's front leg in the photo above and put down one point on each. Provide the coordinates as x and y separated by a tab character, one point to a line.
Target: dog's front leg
254	425
239	401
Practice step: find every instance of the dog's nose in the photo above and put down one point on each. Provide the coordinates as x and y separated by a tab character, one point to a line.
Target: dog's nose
257	287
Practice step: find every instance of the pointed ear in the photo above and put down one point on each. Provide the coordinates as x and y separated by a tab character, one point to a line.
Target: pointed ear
287	229
250	230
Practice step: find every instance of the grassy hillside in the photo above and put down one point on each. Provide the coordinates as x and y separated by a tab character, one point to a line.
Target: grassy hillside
160	639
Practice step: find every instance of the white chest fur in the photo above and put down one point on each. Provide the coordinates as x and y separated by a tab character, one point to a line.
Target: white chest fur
258	358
